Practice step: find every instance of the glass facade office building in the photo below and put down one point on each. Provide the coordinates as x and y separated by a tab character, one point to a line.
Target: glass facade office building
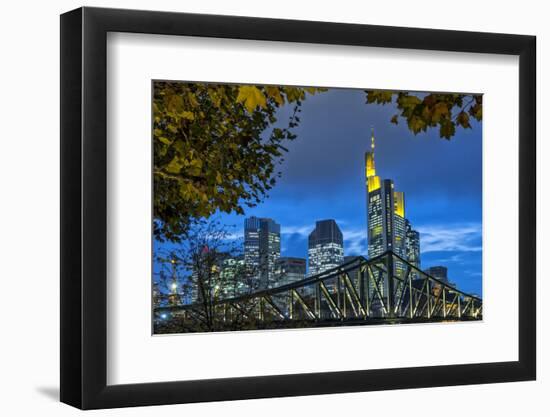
289	270
388	228
262	247
325	247
412	245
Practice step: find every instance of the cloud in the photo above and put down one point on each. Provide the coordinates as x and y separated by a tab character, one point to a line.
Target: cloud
455	258
461	237
297	230
458	237
355	241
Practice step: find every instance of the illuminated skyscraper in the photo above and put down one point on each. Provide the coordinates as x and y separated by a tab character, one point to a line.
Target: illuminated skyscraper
252	243
412	245
388	229
325	247
262	247
439	272
289	270
232	278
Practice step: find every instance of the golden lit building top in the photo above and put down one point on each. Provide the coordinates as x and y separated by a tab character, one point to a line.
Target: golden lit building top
372	180
399	200
369	164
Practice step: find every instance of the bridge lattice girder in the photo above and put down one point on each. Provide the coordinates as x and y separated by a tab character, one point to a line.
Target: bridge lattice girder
382	289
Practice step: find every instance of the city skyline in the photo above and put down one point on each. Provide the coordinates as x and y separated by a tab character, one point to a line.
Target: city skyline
388	229
441	179
268	215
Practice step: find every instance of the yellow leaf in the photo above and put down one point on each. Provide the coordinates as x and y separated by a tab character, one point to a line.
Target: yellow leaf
440	110
189	115
164	140
294	94
195	167
408	101
216	99
187	191
251	96
175	103
174	166
192	99
275	94
155	108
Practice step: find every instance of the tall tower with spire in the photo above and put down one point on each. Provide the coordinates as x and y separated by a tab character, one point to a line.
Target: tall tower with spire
372	180
387	226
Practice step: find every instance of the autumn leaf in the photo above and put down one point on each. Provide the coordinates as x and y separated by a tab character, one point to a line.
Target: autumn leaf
294	94
194	167
447	129
379	96
416	124
463	120
188	115
210	152
408	101
440	110
175	166
435	109
476	111
275	94
174	103
164	140
252	97
215	97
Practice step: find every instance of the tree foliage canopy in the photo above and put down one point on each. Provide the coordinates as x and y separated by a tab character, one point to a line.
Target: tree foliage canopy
434	110
210	150
213	150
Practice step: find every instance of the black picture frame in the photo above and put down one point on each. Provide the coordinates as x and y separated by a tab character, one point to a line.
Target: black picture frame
84	207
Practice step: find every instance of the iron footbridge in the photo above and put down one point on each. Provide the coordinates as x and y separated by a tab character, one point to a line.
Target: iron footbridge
382	290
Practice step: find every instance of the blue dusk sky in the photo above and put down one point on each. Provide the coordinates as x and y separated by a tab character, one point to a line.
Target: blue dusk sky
323	178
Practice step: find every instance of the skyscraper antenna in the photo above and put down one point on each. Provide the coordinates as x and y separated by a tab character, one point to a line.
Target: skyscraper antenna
372	137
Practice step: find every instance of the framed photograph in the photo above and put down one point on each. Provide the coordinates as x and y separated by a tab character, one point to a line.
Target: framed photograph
256	208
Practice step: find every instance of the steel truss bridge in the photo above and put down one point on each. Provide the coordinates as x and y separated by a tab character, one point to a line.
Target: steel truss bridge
382	290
